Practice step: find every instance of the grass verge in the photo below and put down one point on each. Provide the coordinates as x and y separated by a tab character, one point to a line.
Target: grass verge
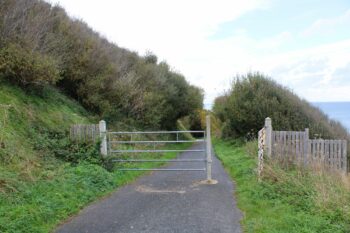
41	205
287	200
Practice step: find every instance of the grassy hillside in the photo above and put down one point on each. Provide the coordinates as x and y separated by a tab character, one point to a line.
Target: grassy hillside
45	178
25	121
286	200
33	181
46	46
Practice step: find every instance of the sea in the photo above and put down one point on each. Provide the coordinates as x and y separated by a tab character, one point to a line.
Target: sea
336	110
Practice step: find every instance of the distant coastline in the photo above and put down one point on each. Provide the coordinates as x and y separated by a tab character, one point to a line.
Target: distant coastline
339	111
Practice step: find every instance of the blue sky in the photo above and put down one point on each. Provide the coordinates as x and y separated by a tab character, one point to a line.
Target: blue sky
293	16
304	45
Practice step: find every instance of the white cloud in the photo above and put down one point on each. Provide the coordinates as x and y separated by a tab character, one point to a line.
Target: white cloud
327	25
313	73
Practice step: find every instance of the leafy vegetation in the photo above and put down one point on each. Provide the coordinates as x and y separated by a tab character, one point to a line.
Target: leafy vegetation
44	46
253	97
46	56
44	177
286	200
24	67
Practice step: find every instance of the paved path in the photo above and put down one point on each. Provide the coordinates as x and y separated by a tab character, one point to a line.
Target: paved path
165	202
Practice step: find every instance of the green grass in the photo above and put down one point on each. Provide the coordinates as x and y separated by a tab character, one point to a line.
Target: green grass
40	206
285	200
44	178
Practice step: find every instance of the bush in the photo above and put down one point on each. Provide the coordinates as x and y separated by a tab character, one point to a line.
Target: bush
59	145
253	97
25	67
115	83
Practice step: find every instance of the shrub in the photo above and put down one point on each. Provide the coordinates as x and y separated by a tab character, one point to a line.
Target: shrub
24	67
57	144
115	83
253	97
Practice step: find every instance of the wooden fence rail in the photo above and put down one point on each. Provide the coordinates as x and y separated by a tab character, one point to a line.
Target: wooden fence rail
296	146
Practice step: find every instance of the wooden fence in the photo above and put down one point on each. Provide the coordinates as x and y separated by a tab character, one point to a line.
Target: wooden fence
91	133
296	146
85	133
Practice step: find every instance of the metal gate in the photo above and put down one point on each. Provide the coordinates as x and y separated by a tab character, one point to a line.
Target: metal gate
129	139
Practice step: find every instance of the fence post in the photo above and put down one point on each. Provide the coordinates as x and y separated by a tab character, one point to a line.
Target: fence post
103	136
306	146
208	150
268	129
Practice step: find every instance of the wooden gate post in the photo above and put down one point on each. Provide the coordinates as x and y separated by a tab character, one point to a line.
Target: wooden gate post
103	136
268	144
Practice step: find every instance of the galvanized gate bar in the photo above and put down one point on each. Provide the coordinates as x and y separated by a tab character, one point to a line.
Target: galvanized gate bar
153	151
158	160
159	132
134	142
160	169
113	141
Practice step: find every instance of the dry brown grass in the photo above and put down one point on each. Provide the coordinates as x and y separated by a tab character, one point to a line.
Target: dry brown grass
328	189
332	188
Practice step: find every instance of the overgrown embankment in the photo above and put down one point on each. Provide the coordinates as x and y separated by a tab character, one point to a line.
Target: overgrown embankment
45	178
287	199
38	183
40	45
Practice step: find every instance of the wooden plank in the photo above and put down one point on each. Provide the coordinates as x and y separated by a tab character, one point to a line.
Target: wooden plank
326	152
301	139
293	145
291	153
316	155
280	143
302	146
285	143
321	142
335	155
289	144
340	143
273	143
331	152
297	147
314	150
344	157
309	153
330	149
306	146
297	143
339	157
278	153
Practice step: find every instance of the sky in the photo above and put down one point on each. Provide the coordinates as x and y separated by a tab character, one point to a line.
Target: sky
302	44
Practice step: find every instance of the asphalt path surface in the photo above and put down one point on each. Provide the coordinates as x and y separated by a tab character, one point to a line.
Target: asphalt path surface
165	202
